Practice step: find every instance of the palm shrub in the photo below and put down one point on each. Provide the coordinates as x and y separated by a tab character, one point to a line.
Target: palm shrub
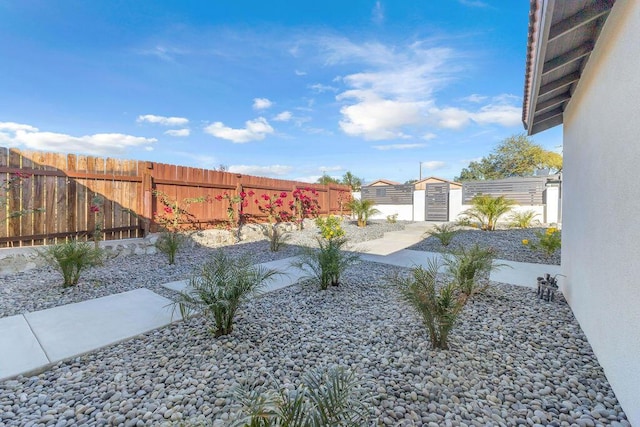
469	268
522	219
444	233
327	263
362	209
71	258
439	306
324	398
220	287
169	243
276	235
488	210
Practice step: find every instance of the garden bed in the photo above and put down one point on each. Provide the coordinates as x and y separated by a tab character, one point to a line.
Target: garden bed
513	359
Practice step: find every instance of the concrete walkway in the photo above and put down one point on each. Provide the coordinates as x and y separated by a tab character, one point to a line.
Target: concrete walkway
30	343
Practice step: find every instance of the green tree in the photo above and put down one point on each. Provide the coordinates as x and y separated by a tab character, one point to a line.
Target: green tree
352	181
326	179
516	155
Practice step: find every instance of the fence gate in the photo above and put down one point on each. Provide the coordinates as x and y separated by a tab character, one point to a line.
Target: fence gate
437	203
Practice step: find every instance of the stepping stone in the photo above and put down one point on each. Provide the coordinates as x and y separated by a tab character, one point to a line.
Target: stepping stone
20	350
74	329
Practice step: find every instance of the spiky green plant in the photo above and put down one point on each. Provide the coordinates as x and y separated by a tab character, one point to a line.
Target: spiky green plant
439	306
71	258
488	210
276	235
324	398
169	243
220	287
444	233
469	268
327	263
522	219
363	210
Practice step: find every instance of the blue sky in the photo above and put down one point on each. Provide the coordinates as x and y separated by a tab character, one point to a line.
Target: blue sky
271	88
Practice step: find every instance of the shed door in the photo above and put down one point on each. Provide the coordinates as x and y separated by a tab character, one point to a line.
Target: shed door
437	203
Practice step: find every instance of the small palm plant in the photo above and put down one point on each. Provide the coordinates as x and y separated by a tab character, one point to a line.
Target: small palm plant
276	235
444	233
439	306
219	289
469	269
327	263
488	210
522	219
169	243
71	258
363	209
324	398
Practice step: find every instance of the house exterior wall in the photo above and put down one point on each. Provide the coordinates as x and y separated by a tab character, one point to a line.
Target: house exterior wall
419	205
601	235
404	212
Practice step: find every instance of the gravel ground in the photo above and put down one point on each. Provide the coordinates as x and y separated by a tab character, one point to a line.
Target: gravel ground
507	243
514	359
41	288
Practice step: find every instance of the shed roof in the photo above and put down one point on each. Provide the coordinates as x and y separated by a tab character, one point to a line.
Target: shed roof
430	178
562	35
383	182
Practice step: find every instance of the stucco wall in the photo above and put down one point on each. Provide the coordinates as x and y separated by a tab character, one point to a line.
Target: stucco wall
601	233
405	212
419	202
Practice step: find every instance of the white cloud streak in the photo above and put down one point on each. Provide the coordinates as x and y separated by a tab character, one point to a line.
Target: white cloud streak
20	135
272	170
254	130
434	165
178	132
162	120
284	116
398	146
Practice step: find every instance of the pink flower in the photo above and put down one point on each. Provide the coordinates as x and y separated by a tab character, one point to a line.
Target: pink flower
279	202
265	197
94	208
168	209
283	195
218	197
243	194
251	193
256	200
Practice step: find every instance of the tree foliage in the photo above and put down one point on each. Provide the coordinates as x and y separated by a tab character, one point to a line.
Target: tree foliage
352	181
516	155
325	179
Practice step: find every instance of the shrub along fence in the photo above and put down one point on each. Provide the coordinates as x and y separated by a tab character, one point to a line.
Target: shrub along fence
68	195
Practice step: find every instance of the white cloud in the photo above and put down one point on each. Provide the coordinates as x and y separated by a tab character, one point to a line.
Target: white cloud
504	115
457	118
100	144
254	130
475	98
330	168
285	116
434	165
300	73
429	136
162	120
451	117
178	132
398	146
13	127
377	15
261	103
320	88
309	178
376	119
273	170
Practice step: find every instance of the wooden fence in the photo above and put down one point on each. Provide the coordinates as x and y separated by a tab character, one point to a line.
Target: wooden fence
57	192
